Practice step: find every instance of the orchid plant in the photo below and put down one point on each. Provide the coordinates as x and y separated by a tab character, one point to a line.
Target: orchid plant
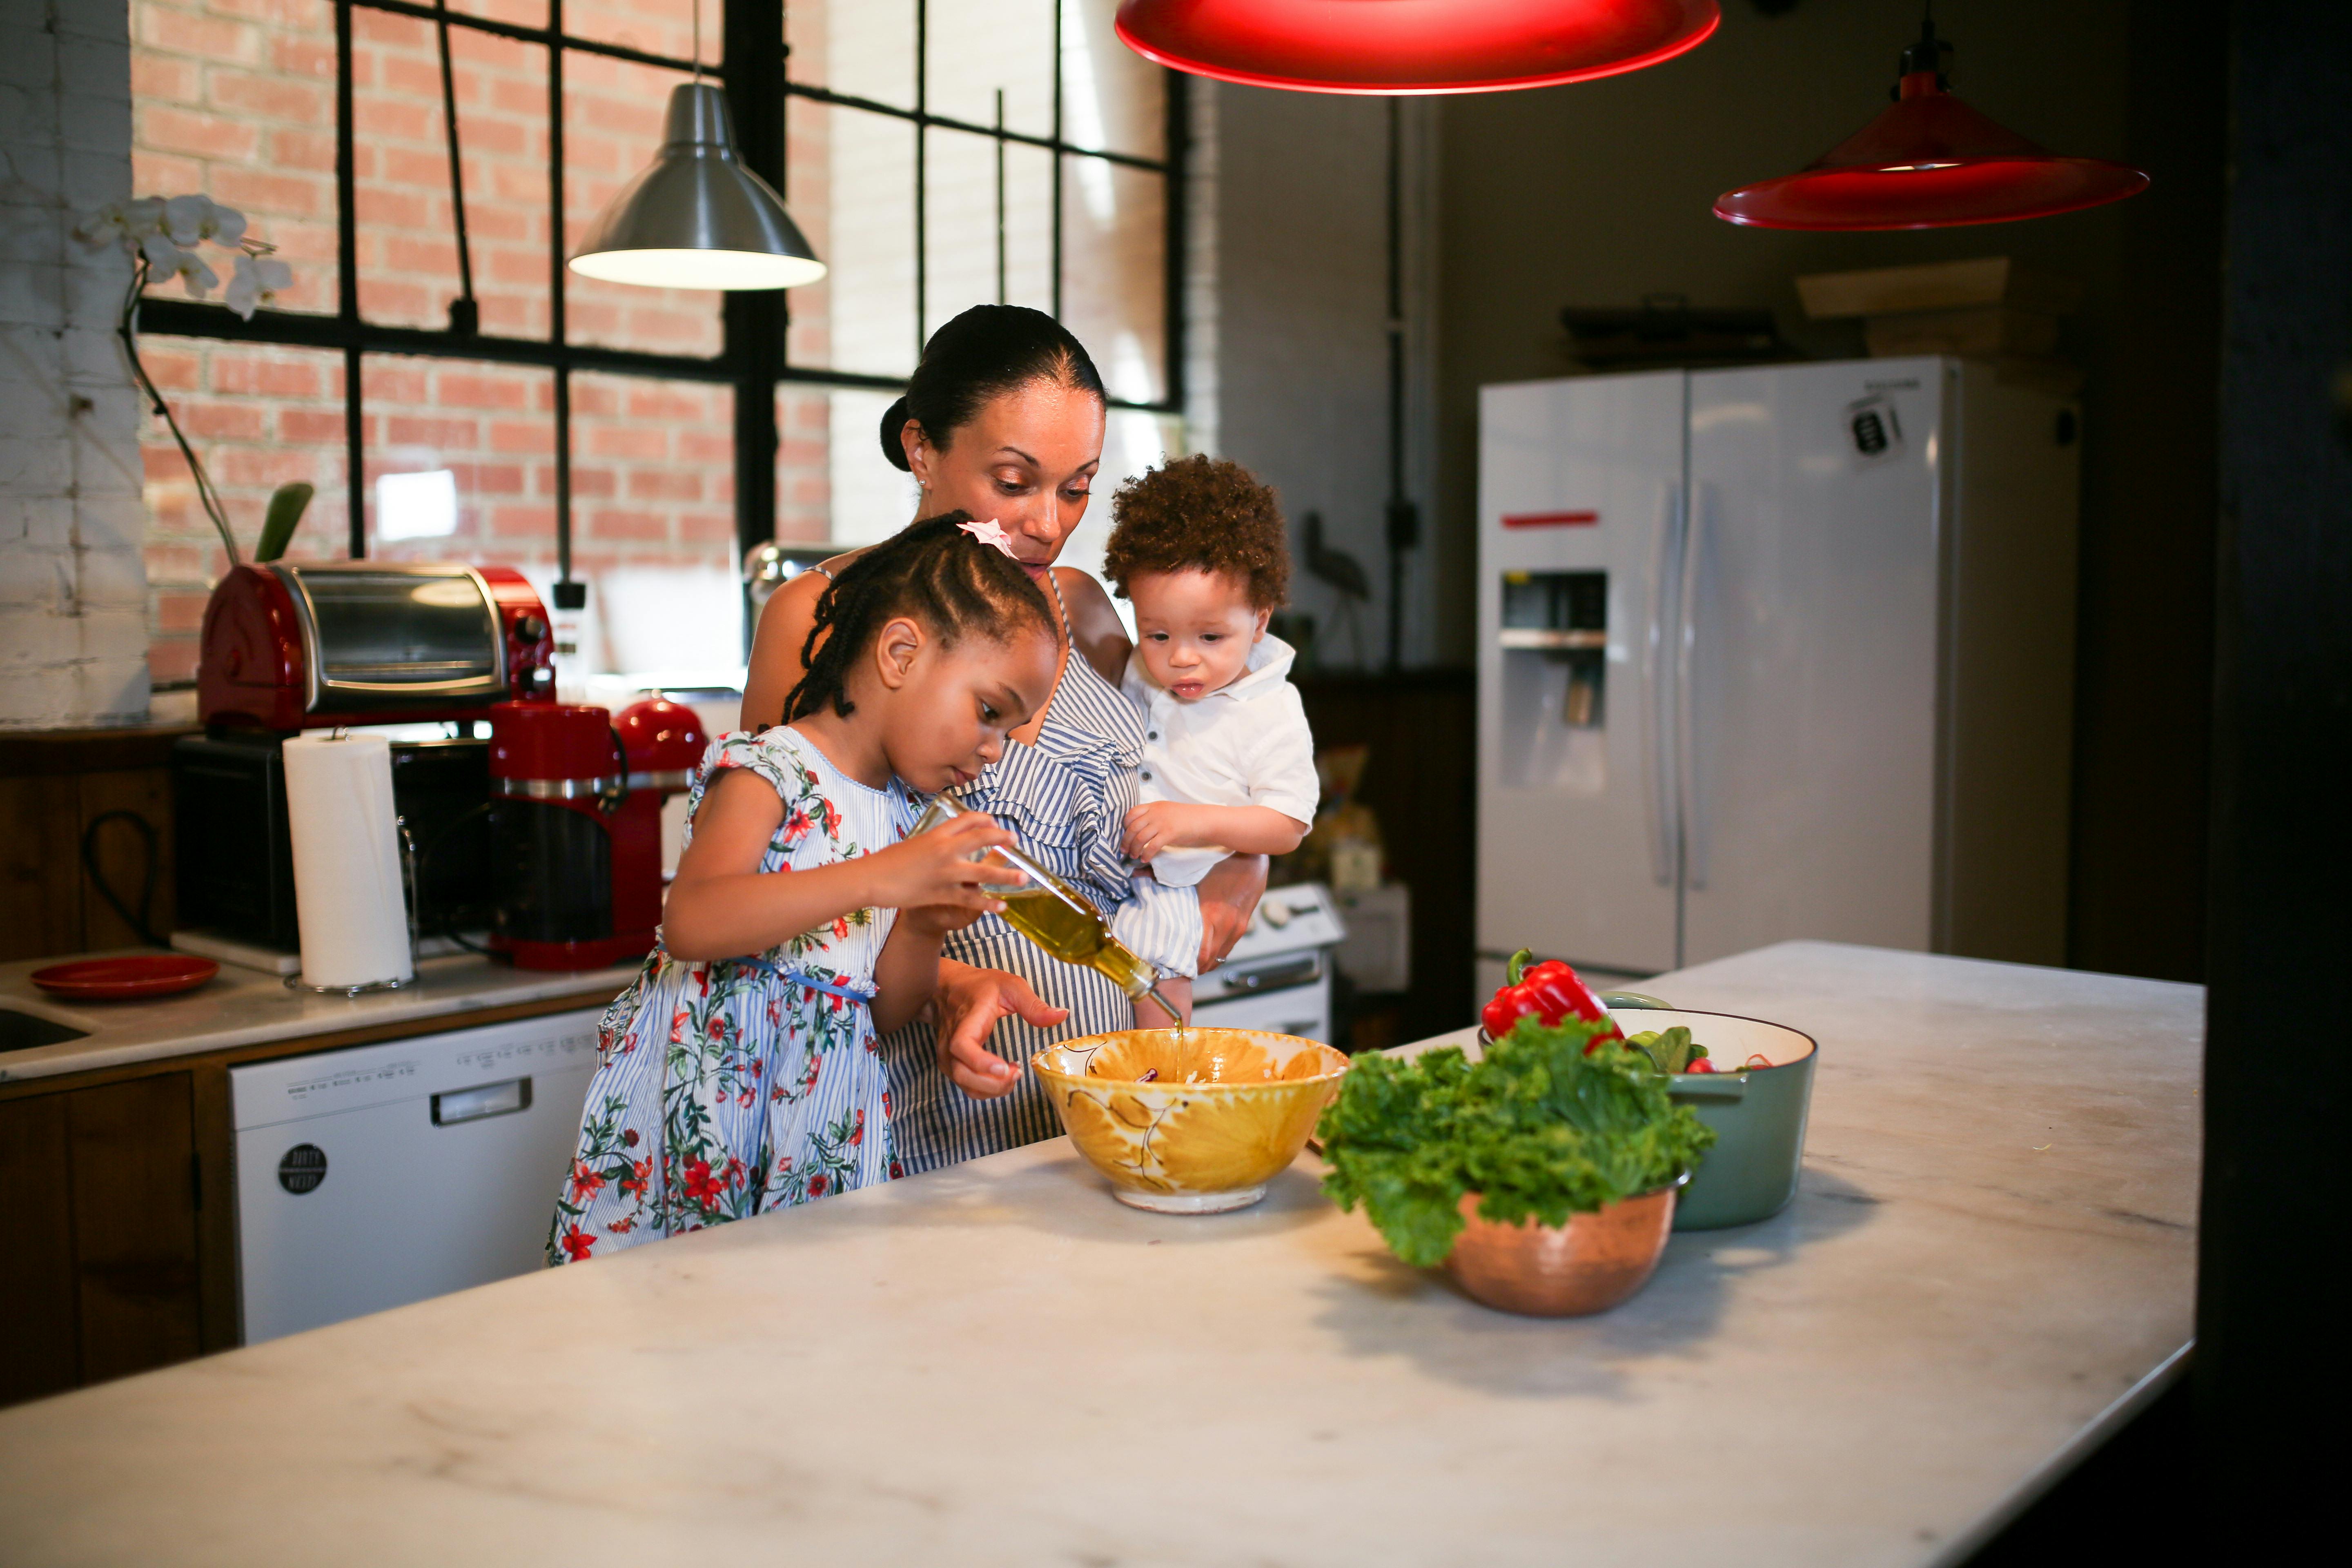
163	238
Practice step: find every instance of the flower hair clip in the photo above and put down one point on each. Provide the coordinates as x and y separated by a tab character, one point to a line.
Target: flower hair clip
991	533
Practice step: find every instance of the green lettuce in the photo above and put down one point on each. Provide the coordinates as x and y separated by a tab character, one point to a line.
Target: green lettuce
1538	1127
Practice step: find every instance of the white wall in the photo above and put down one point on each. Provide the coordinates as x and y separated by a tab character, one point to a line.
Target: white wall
73	591
1300	332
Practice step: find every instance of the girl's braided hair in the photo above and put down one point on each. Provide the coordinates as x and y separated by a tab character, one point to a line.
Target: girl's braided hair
956	586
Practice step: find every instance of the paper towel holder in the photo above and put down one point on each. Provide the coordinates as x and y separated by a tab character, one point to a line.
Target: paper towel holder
295	982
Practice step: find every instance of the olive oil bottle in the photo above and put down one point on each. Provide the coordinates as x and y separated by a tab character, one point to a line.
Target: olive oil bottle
1061	920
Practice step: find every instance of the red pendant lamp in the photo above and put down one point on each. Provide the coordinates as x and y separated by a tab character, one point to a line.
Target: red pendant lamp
1929	161
1412	46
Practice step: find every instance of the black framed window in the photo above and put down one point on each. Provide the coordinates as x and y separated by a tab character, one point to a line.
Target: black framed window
453	389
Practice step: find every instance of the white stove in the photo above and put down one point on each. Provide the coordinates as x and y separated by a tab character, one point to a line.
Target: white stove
1279	975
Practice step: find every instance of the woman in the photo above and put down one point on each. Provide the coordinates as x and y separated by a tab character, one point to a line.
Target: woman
1004	419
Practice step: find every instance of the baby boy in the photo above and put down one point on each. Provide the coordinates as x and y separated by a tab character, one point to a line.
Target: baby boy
1228	763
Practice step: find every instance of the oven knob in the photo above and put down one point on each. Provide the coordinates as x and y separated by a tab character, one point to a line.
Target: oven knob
531	628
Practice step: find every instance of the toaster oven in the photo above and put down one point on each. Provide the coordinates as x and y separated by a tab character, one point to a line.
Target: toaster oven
306	645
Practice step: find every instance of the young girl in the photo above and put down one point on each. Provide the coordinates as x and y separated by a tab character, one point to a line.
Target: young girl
739	1072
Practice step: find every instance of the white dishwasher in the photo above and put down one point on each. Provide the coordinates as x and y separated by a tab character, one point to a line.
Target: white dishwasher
380	1176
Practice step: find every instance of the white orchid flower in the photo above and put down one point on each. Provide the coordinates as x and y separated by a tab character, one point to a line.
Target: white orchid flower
143	216
228	226
102	228
200	278
186	218
258	281
161	254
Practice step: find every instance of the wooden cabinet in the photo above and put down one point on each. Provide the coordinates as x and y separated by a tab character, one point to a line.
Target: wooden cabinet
53	785
117	1240
100	1249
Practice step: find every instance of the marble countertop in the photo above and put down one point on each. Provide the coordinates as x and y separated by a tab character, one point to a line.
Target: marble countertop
245	1007
1991	1251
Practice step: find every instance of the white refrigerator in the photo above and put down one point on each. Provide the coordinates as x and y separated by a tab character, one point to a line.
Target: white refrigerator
1772	653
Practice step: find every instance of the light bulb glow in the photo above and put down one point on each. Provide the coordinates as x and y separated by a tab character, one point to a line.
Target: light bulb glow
718	269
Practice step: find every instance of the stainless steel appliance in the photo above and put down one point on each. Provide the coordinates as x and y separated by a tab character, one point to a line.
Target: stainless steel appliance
294	645
371	1178
1279	975
1772	653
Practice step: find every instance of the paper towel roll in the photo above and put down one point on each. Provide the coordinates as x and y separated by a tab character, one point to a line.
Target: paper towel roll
347	892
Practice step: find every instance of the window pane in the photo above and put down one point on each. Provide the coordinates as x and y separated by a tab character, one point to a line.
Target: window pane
522	13
407	225
258	416
863	47
965	230
459	460
613	114
664	28
861	316
803	484
871	499
1114	283
238	104
976	47
653	482
1132	442
1112	98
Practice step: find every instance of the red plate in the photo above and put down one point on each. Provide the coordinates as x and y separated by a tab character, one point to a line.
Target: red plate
113	979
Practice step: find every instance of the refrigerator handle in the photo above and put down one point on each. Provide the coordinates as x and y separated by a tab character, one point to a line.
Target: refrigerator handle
1691	777
1659	721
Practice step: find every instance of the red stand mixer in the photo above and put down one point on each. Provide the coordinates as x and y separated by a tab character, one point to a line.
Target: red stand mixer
576	839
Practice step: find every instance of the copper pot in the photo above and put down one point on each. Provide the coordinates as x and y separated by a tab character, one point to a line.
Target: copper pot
1588	1265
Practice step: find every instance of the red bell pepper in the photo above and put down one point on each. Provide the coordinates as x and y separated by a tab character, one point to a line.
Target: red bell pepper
1548	991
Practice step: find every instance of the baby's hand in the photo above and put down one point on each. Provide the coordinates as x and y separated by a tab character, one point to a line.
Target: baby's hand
934	872
1161	825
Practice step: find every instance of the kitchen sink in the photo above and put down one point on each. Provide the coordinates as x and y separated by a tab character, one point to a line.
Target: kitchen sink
23	1031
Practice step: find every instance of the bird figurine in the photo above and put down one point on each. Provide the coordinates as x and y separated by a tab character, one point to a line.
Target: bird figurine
1346	576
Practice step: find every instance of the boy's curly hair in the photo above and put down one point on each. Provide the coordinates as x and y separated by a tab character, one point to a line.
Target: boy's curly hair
1203	514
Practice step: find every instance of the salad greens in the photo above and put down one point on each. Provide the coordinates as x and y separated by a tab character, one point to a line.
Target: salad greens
1554	1122
1671	1050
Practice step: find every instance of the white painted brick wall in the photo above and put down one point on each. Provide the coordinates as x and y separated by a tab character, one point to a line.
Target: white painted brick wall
73	590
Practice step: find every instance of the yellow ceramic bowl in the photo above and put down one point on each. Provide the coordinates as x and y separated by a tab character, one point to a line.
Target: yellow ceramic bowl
1189	1120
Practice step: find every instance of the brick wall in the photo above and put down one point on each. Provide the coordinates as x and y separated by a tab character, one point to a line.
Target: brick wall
236	99
72	592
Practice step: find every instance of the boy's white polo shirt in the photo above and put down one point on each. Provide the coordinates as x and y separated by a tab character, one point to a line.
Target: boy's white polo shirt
1243	744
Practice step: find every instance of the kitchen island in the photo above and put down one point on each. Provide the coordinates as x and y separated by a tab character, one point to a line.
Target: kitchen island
1989	1263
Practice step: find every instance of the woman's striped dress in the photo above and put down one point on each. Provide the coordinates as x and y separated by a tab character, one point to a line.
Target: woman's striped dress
1066	797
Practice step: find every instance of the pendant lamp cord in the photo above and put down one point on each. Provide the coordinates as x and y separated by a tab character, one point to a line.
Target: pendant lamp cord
698	43
465	315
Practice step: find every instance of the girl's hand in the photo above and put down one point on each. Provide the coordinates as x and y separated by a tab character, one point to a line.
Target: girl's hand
937	868
935	921
1160	825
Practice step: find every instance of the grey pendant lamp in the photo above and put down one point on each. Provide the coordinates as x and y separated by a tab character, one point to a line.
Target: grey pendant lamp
697	218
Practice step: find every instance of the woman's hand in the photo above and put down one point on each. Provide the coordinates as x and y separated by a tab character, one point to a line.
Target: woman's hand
965	1009
938	871
1229	896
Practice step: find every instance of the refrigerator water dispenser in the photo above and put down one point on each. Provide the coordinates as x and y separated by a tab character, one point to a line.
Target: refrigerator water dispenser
1555	642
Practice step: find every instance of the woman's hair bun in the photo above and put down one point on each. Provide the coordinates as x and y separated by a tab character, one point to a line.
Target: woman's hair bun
985	351
894	419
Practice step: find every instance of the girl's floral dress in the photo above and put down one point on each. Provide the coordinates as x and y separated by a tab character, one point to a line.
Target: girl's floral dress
740	1085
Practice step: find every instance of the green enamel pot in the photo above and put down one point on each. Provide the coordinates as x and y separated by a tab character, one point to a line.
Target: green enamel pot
1757	1112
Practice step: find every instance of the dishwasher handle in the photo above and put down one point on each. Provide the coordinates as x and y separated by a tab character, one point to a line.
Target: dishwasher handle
454	1107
